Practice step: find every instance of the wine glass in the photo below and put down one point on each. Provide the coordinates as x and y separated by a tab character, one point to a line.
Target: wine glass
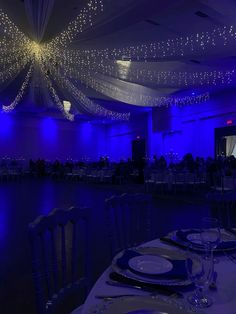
210	234
200	271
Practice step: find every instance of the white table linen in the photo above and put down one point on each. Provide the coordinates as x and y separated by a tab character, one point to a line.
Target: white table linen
224	298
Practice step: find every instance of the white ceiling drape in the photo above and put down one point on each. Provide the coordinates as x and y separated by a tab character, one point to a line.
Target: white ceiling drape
104	50
38	13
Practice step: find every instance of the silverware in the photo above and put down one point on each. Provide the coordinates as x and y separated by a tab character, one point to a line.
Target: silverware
173	242
125	285
157	289
110	297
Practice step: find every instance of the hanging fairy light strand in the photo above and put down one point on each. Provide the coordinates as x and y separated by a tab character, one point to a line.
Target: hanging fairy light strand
135	72
77	26
93	66
141	99
20	93
88	105
11	72
60	74
14	52
106	87
138	73
44	56
52	91
57	100
171	48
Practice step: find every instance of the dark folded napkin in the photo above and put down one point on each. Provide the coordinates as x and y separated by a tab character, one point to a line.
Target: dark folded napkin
177	272
231	230
223	245
146	286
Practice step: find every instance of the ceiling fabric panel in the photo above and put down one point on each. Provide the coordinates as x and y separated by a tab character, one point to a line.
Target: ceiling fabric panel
139	95
145	53
120	15
38	13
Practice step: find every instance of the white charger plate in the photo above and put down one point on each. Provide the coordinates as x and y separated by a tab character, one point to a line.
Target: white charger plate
150	264
162	252
142	304
195	238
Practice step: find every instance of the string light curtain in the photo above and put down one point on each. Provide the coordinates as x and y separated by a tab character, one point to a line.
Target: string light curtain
124	74
43	55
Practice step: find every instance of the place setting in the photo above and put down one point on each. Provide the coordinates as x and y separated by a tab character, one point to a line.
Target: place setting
141	304
159	271
153	266
218	239
177	280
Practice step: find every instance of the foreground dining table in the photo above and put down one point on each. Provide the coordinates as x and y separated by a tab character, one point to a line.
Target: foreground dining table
224	296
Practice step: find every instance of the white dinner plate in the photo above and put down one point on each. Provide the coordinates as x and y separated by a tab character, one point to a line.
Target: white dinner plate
143	278
195	238
141	304
149	264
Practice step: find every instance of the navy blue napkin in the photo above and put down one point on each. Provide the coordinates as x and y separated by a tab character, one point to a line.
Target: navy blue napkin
177	272
223	245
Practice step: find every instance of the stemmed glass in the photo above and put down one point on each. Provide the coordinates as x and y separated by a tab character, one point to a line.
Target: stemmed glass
210	234
200	271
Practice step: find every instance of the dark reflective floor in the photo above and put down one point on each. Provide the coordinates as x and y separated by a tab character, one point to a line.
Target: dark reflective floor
22	201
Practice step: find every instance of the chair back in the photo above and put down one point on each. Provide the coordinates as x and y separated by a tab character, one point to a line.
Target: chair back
128	220
60	257
223	207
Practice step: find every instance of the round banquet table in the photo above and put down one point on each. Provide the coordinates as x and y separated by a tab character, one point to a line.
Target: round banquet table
224	297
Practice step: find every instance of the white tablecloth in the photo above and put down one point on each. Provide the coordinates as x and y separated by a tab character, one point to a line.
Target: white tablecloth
224	297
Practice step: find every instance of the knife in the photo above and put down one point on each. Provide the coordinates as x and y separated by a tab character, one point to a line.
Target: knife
110	297
119	279
173	242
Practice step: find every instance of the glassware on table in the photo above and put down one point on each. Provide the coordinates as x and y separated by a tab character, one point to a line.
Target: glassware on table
200	272
210	234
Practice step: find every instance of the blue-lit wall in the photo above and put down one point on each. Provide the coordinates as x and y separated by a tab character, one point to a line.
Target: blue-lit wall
119	137
167	131
50	138
190	128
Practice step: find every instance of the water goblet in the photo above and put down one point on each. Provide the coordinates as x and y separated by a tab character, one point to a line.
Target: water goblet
210	234
200	272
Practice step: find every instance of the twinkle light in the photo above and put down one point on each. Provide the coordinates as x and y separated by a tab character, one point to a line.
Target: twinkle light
139	73
13	50
79	24
77	67
134	97
11	72
171	48
110	71
20	92
57	100
36	50
88	105
46	57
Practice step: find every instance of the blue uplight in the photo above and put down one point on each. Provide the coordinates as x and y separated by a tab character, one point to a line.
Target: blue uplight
5	125
49	130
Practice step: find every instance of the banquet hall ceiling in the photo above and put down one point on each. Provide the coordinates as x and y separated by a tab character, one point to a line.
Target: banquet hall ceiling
120	82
